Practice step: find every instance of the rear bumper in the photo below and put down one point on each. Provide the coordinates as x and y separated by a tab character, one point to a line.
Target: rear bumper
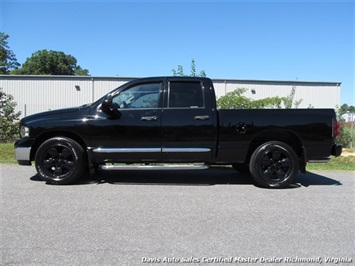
336	150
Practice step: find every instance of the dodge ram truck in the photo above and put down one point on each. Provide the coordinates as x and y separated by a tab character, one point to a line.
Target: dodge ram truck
173	123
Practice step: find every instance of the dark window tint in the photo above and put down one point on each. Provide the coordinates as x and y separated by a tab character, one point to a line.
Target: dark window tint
185	95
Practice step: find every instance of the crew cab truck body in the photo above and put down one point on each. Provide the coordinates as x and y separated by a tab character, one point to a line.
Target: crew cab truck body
175	120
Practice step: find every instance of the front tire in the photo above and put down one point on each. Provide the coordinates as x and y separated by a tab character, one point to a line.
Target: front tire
60	161
274	164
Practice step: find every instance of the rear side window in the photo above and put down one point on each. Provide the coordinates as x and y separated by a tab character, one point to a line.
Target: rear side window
185	95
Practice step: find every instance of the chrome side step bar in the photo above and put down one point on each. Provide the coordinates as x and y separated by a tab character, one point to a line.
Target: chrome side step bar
154	167
320	160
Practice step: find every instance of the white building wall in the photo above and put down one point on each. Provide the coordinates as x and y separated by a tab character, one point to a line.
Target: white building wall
104	85
35	94
41	93
315	94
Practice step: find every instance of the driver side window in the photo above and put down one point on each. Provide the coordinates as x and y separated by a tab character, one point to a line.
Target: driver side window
140	96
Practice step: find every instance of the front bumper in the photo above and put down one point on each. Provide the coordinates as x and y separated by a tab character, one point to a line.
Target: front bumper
23	151
336	150
23	155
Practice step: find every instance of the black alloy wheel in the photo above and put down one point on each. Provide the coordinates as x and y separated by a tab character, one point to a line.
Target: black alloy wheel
274	165
60	161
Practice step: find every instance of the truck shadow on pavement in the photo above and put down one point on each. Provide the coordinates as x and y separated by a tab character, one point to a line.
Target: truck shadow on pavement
208	177
212	176
313	179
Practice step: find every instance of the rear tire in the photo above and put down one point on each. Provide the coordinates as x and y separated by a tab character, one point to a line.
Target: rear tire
60	161
274	164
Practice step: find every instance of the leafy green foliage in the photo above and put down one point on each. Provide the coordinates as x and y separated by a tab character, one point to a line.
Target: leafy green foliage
346	109
345	135
236	100
8	117
51	62
180	71
81	72
288	101
8	59
345	129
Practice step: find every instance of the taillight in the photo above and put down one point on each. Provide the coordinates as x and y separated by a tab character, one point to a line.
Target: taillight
336	128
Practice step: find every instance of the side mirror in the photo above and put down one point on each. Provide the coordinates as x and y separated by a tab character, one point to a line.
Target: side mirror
110	108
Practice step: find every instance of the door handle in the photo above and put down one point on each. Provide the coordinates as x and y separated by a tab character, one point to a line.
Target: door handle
202	117
149	118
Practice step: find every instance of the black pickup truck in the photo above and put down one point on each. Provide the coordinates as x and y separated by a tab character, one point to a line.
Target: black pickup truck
173	123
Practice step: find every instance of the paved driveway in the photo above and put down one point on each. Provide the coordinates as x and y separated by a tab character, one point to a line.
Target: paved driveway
192	218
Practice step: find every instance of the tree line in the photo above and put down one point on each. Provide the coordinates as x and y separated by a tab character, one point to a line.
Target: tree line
41	62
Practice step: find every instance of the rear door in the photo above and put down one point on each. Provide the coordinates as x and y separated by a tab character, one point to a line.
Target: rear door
188	121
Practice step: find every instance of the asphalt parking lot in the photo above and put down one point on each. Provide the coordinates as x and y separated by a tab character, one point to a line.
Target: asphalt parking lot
207	217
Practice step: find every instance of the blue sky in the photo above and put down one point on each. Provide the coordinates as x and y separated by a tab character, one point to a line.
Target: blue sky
268	40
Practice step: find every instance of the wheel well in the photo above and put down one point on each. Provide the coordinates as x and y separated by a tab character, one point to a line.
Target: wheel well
42	138
288	137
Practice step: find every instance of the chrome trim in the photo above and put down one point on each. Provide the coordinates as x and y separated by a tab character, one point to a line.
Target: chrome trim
126	150
22	153
143	150
153	167
320	160
149	118
186	150
202	117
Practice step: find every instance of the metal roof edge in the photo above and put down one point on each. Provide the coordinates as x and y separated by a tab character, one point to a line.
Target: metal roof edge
337	83
278	81
64	77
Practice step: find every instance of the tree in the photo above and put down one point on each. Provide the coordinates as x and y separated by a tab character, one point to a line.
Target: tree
8	59
8	117
236	100
346	109
44	62
81	72
288	101
180	71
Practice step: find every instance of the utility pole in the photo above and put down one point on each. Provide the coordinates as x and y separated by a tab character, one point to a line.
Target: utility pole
351	129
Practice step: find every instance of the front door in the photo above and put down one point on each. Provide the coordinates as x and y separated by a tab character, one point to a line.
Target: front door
135	135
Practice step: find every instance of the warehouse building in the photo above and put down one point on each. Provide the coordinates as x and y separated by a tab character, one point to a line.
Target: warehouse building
35	94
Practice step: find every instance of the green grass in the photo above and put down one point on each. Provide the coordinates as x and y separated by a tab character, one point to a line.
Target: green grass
342	163
7	153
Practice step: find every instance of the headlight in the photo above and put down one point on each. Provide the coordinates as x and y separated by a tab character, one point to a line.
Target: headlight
25	132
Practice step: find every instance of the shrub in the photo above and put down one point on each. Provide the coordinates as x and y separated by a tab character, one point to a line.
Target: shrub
8	117
345	136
